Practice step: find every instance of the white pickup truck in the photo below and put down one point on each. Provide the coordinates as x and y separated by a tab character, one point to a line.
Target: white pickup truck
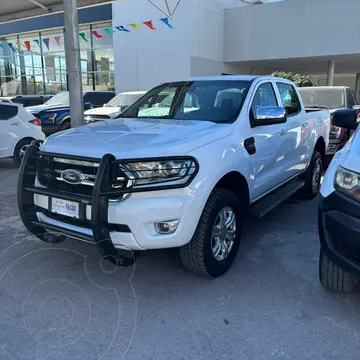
225	148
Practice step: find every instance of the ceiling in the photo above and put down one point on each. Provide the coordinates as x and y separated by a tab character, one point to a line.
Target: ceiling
344	65
12	10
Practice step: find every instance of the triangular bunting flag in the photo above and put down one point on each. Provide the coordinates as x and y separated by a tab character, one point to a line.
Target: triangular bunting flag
135	26
109	31
11	46
2	46
27	44
57	39
121	28
38	42
97	34
166	22
82	34
46	42
18	44
149	24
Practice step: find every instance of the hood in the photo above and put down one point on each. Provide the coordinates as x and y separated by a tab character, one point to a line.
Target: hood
136	138
40	108
107	110
351	153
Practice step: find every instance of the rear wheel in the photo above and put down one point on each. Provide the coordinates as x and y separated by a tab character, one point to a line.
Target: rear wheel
334	278
20	149
216	240
312	177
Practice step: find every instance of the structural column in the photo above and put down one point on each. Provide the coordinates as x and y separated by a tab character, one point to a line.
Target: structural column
72	53
330	73
357	86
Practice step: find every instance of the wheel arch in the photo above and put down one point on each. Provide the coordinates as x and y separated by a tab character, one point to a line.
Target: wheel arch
236	182
320	146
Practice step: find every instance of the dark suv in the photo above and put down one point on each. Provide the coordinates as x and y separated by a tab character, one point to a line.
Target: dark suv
27	100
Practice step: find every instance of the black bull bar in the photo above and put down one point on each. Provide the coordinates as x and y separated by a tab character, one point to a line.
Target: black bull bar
98	201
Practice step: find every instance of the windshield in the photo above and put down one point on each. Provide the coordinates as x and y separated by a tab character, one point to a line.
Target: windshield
124	99
326	98
219	101
59	99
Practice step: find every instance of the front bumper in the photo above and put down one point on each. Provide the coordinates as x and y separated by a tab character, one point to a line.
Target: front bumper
339	230
334	146
112	226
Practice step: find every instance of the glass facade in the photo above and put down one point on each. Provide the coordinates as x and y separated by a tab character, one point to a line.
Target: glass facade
35	63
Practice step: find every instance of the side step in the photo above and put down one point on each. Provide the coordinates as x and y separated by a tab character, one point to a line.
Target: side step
270	201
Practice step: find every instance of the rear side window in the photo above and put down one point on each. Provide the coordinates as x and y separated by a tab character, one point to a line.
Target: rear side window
289	99
7	111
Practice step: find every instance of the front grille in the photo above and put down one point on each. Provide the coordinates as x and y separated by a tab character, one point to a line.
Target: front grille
50	168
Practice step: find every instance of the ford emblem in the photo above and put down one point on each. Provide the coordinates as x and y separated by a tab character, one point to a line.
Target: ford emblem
73	177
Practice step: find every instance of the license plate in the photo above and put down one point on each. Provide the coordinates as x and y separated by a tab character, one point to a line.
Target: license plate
65	207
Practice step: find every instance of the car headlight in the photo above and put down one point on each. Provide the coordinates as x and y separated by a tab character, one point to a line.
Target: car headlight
50	117
115	114
347	182
176	172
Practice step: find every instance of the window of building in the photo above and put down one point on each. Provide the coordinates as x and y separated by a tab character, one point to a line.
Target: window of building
36	63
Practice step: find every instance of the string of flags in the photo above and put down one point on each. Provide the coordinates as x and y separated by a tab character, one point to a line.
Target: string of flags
27	44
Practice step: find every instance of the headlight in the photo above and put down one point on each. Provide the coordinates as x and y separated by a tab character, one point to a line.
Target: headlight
50	117
115	114
173	172
347	182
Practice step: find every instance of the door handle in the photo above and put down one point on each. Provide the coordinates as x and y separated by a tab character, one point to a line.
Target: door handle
15	124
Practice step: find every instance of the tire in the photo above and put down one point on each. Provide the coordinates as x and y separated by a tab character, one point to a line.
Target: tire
334	278
19	150
198	254
65	125
312	177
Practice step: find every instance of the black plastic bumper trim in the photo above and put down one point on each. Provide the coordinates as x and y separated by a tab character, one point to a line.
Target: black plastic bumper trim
339	224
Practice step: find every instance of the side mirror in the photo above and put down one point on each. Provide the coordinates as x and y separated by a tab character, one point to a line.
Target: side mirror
345	118
268	115
88	106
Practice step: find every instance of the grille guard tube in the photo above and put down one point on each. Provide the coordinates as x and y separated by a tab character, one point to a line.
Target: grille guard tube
101	234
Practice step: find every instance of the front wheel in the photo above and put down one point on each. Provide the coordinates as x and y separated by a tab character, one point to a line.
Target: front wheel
312	177
65	125
334	278
216	240
20	149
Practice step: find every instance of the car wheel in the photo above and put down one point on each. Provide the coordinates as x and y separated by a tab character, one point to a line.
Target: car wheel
334	278
65	125
20	149
216	240
312	177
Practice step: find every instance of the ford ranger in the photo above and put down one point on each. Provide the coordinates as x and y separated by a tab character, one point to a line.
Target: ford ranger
331	98
186	176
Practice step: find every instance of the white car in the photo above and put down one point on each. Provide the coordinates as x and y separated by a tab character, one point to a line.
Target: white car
18	129
339	212
225	148
113	108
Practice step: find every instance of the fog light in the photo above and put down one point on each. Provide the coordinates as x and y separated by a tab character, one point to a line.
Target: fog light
166	227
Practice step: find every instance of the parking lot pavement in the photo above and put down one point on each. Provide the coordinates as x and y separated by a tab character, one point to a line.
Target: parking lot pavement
61	302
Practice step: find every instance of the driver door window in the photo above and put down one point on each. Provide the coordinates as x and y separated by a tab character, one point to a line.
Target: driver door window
264	96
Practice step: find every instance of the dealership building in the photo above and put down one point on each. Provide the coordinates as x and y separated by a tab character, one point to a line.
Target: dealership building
136	44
